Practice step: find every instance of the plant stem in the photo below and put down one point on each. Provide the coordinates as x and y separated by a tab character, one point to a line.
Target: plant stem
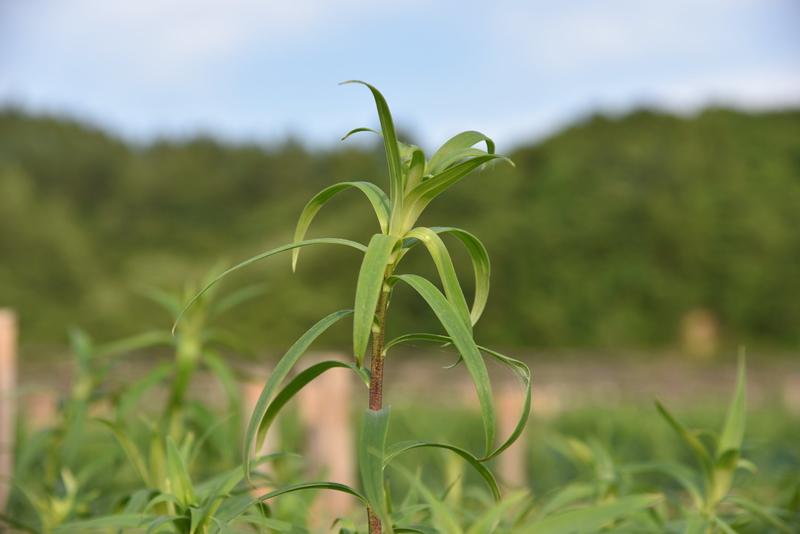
376	379
376	361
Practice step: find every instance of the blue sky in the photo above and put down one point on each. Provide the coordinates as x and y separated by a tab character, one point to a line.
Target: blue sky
261	70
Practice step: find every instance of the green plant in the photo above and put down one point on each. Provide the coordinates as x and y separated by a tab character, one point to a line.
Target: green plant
414	182
197	344
713	506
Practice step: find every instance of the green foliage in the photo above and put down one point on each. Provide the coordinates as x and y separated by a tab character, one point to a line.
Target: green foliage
653	213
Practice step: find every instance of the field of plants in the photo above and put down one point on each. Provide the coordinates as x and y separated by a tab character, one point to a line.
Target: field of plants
159	453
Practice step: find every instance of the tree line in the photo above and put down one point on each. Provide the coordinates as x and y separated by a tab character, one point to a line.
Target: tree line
606	234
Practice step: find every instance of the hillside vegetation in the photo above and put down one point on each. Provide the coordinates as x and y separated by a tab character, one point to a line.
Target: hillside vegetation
628	223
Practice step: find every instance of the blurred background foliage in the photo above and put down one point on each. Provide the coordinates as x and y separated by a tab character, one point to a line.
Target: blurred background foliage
629	223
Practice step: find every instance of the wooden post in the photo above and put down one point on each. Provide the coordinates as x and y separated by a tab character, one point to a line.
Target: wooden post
8	383
325	406
39	409
512	463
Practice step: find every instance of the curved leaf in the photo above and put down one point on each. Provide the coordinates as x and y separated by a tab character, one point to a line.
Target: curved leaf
566	496
419	197
368	290
519	367
131	451
359	130
333	486
679	473
299	382
461	337
376	197
104	523
454	146
480	264
137	342
396	185
254	436
444	265
263	255
690	438
227	379
234	299
488	520
130	397
767	514
405	446
443	518
591	518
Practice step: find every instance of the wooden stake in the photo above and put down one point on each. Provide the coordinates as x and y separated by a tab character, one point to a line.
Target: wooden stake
8	386
511	464
325	406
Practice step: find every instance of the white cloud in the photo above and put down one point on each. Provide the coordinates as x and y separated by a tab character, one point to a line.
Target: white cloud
172	41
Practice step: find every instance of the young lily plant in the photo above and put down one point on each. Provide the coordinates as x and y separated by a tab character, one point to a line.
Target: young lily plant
414	181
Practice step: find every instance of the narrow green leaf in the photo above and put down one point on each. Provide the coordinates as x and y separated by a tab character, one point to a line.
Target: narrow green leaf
591	518
417	336
103	523
179	479
130	397
396	185
524	373
767	514
480	264
254	436
419	197
299	382
169	302
332	486
691	440
131	451
213	500
236	298
457	157
487	521
462	339
443	518
566	496
368	290
371	454
682	475
454	146
263	255
133	343
519	368
405	446
733	430
376	197
723	526
444	265
230	385
359	130
181	522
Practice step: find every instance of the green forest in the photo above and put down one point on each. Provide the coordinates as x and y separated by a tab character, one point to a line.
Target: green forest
628	223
